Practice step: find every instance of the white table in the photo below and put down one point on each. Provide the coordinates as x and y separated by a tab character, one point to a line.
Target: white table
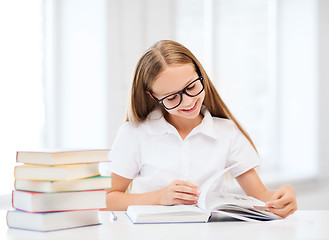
304	224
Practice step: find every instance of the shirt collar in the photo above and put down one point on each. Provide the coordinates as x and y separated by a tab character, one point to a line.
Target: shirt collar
156	124
207	126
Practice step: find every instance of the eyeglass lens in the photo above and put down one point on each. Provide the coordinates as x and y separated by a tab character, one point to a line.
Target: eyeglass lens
192	90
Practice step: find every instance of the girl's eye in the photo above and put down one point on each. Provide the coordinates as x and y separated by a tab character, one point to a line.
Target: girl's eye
173	98
191	87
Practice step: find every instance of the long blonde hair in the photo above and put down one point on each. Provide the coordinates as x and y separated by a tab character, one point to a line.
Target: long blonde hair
152	63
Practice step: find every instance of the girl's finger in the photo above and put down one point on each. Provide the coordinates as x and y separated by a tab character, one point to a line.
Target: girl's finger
184	196
291	212
186	189
182	182
279	203
278	194
185	202
283	212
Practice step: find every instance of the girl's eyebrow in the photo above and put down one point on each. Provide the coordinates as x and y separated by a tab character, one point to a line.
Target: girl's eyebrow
191	80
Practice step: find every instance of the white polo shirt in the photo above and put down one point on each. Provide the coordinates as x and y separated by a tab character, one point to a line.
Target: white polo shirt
153	153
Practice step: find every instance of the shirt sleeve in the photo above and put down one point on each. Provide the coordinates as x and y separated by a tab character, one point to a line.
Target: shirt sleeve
242	152
124	154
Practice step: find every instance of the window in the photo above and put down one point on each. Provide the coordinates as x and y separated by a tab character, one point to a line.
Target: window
251	50
21	91
248	48
234	42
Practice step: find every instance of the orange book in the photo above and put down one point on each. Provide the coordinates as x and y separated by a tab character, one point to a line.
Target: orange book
58	172
59	157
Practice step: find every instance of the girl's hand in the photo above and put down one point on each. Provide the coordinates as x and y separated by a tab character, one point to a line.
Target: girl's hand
283	201
179	192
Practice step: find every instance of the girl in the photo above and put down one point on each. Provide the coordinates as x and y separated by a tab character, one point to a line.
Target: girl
178	134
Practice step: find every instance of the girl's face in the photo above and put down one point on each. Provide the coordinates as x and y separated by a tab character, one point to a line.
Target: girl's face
173	79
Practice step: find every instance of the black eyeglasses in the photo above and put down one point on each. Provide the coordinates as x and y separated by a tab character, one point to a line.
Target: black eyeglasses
175	99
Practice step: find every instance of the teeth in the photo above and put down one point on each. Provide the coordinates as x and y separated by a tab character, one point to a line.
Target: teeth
190	108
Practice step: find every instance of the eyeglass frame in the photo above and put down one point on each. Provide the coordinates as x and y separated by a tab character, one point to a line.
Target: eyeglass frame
180	93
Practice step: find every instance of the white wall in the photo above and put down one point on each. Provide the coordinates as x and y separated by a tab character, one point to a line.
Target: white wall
323	87
131	28
92	52
87	43
297	77
21	90
78	53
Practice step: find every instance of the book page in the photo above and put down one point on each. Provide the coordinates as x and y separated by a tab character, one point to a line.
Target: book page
235	216
227	201
206	187
159	209
210	200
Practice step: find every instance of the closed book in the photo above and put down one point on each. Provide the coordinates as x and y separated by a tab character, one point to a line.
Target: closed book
65	201
58	172
166	214
51	221
91	183
62	157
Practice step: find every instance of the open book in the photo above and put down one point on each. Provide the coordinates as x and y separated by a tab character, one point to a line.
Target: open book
220	205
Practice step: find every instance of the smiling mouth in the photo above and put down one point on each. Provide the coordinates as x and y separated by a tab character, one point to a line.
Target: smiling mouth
191	109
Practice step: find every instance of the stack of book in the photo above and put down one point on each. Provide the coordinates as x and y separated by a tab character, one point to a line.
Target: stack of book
58	190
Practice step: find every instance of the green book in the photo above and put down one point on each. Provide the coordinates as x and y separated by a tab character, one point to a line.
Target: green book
91	183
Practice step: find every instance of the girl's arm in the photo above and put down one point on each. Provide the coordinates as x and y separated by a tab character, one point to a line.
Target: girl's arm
177	192
281	201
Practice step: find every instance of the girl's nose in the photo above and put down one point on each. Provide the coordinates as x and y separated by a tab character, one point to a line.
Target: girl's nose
186	100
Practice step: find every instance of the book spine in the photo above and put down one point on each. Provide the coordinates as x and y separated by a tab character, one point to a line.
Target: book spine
12	198
7	219
56	211
15	172
60	209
